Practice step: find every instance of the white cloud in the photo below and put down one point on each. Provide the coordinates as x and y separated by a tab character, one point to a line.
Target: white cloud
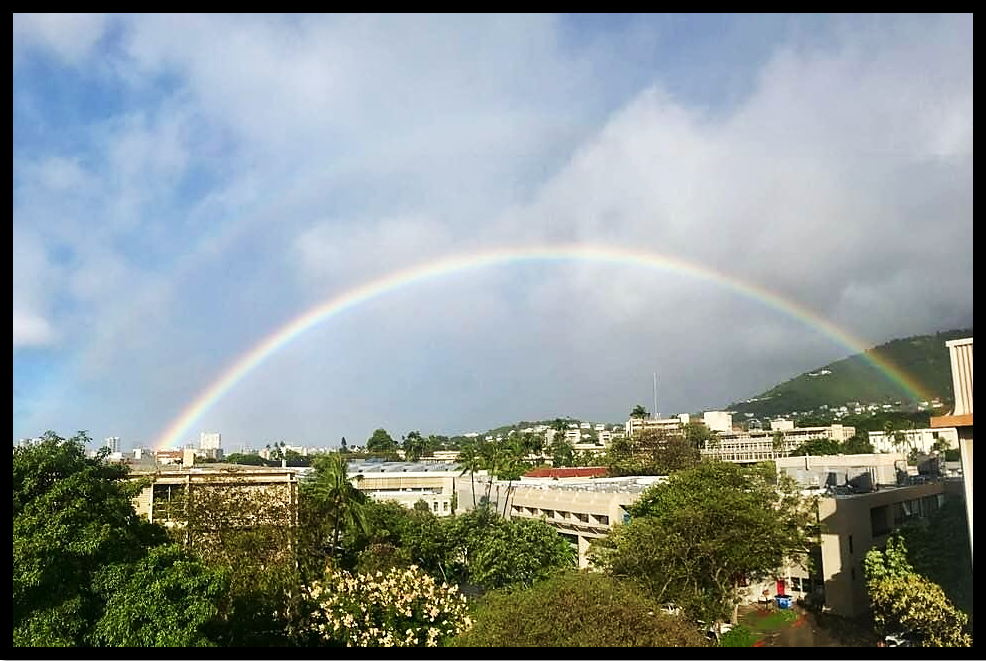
262	163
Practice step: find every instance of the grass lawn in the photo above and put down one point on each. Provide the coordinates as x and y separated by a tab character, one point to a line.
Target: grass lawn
762	621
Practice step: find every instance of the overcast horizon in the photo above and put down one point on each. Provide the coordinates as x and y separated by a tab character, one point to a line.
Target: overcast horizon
184	186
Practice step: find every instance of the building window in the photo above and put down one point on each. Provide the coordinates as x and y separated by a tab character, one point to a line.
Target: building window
603	519
850	544
853	573
879	524
550	514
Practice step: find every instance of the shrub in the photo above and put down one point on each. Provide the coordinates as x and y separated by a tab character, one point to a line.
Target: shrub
402	608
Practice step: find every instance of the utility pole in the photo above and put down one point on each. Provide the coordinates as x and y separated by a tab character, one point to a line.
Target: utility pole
657	414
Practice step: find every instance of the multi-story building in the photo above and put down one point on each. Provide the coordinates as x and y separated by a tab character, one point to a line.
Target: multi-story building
113	443
868	496
409	482
960	354
580	509
759	444
634	426
718	421
915	439
152	501
210	444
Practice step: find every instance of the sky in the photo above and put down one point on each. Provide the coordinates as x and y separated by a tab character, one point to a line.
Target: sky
183	186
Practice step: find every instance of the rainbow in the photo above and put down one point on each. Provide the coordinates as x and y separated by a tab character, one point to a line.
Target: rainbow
254	357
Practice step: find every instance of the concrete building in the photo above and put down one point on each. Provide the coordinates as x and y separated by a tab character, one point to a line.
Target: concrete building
635	426
210	440
855	517
408	482
113	443
581	509
758	444
781	425
153	499
719	421
960	354
917	439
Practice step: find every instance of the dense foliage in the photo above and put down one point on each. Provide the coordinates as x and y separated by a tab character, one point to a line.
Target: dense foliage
693	539
577	609
902	599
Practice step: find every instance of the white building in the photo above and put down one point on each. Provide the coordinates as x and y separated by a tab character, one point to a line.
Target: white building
720	421
210	441
916	439
758	445
635	426
113	443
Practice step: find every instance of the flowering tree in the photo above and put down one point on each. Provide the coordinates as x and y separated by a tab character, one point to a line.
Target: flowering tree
402	608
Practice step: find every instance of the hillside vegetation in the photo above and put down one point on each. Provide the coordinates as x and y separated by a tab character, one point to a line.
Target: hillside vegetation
856	379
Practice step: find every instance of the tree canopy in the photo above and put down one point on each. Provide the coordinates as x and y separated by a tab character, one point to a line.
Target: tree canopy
692	539
577	609
73	515
380	441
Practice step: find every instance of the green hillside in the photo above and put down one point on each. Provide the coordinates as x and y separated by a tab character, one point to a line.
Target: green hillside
855	379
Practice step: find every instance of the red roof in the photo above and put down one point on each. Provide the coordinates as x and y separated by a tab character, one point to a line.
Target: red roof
589	471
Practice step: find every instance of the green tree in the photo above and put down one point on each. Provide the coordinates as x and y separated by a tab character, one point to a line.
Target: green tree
901	598
859	443
73	516
334	495
245	459
511	468
380	441
343	446
577	609
498	552
817	447
777	443
940	551
698	434
562	452
639	411
691	539
471	462
250	532
415	446
167	599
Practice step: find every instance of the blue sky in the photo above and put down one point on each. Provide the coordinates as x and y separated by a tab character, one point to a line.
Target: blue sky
184	185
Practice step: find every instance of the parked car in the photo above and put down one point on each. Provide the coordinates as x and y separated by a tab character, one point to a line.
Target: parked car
670	608
715	631
899	639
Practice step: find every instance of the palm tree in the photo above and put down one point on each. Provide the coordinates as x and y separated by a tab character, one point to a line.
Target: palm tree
777	443
336	496
471	461
511	468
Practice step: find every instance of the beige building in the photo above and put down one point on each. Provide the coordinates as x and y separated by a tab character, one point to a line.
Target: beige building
960	354
758	444
855	519
580	509
409	482
151	502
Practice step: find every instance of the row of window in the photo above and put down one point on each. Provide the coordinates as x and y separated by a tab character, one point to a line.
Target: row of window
579	517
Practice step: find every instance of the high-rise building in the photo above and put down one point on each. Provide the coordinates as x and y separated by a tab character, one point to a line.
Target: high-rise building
113	443
210	440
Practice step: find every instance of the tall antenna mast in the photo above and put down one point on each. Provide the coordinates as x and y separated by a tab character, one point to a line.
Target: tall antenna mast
657	414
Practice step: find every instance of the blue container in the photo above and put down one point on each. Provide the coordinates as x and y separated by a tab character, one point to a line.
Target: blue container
783	601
